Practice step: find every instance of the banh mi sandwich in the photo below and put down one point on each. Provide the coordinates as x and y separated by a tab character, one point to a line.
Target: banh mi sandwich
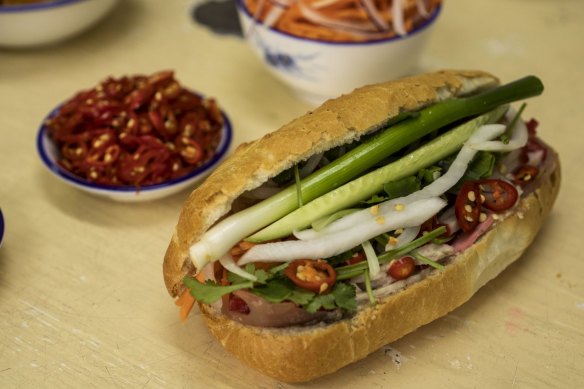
362	220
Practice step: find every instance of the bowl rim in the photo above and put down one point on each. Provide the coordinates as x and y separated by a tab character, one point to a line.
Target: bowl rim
427	23
37	6
1	227
71	178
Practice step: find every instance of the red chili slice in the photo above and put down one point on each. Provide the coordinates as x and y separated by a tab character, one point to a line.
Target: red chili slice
146	164
402	268
468	206
190	150
525	174
356	258
103	156
74	151
316	276
498	195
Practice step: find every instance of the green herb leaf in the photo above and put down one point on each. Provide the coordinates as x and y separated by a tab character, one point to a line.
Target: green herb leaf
342	296
481	166
375	199
279	289
427	261
345	296
209	292
369	288
402	187
261	275
341	258
428	175
326	301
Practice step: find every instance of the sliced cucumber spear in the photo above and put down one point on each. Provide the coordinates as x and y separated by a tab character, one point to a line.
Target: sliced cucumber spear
221	237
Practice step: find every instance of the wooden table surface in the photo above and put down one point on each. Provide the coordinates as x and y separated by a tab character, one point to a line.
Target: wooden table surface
82	301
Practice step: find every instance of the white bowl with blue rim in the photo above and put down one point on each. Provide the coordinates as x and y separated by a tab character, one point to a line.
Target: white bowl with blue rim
317	70
50	21
49	155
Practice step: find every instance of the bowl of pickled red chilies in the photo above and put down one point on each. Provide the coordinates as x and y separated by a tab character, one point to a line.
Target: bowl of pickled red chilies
135	138
323	48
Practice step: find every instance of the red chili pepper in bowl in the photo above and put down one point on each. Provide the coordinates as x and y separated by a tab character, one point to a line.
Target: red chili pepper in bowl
144	130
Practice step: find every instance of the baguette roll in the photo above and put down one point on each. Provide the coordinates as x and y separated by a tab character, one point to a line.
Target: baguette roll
304	352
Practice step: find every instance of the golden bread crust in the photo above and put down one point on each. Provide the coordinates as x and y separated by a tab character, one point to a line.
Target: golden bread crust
336	122
298	354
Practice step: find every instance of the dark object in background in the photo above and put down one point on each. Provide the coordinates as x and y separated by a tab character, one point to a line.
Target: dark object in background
218	15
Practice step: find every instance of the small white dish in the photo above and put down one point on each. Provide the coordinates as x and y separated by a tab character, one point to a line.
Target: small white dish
42	23
49	154
317	69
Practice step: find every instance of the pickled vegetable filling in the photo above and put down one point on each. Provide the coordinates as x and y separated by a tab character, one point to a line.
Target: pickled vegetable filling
379	231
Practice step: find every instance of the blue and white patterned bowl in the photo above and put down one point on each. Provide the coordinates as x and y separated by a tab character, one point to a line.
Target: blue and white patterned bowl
47	22
318	69
49	155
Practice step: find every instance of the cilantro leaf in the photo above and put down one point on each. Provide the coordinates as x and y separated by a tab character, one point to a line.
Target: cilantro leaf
301	296
261	275
279	289
326	301
209	292
342	296
345	296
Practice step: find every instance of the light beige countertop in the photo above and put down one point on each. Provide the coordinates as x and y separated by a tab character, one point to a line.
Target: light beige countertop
82	300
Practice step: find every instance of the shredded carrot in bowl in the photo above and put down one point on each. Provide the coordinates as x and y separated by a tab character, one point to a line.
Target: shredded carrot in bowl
343	20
